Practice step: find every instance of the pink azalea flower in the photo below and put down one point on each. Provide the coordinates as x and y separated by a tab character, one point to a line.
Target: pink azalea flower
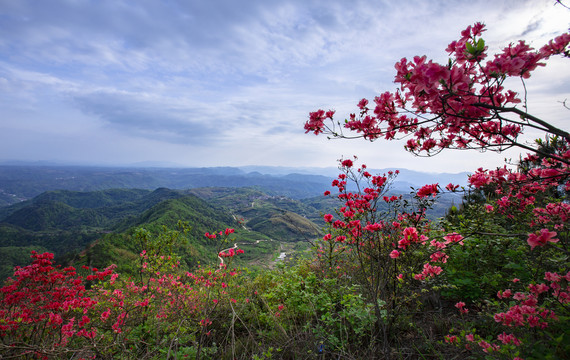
540	239
428	190
460	305
451	187
450	339
453	238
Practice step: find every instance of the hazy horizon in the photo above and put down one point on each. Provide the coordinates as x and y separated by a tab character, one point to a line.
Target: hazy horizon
271	169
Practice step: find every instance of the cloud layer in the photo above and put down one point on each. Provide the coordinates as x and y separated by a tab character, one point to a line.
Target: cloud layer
228	82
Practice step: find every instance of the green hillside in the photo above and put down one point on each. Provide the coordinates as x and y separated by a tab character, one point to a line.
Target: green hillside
53	215
98	228
16	244
280	224
113	204
122	247
93	199
278	217
186	208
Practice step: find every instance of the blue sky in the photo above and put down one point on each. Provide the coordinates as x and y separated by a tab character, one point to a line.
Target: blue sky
230	83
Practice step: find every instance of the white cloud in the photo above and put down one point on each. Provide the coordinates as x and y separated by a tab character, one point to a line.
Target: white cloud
232	82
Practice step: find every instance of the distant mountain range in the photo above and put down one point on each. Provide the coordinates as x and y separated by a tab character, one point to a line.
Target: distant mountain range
21	182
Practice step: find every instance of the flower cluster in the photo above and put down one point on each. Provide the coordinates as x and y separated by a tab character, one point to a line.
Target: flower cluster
49	312
460	104
230	253
44	303
527	313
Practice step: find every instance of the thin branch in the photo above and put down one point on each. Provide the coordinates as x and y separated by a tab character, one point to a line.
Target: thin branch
546	155
554	130
496	234
560	2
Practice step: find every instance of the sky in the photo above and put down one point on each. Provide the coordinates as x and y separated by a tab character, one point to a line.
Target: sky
230	83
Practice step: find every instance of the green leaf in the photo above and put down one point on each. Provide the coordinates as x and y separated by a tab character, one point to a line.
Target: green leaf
480	45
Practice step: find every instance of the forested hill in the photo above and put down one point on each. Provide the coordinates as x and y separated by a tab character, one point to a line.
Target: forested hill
99	223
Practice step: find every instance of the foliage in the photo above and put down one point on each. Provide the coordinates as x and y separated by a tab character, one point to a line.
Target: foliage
11	256
329	316
46	311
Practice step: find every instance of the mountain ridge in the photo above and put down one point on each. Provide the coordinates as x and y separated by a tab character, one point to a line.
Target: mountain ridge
19	183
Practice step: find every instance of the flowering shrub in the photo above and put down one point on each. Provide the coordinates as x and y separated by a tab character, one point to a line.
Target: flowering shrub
45	310
383	243
528	321
464	105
